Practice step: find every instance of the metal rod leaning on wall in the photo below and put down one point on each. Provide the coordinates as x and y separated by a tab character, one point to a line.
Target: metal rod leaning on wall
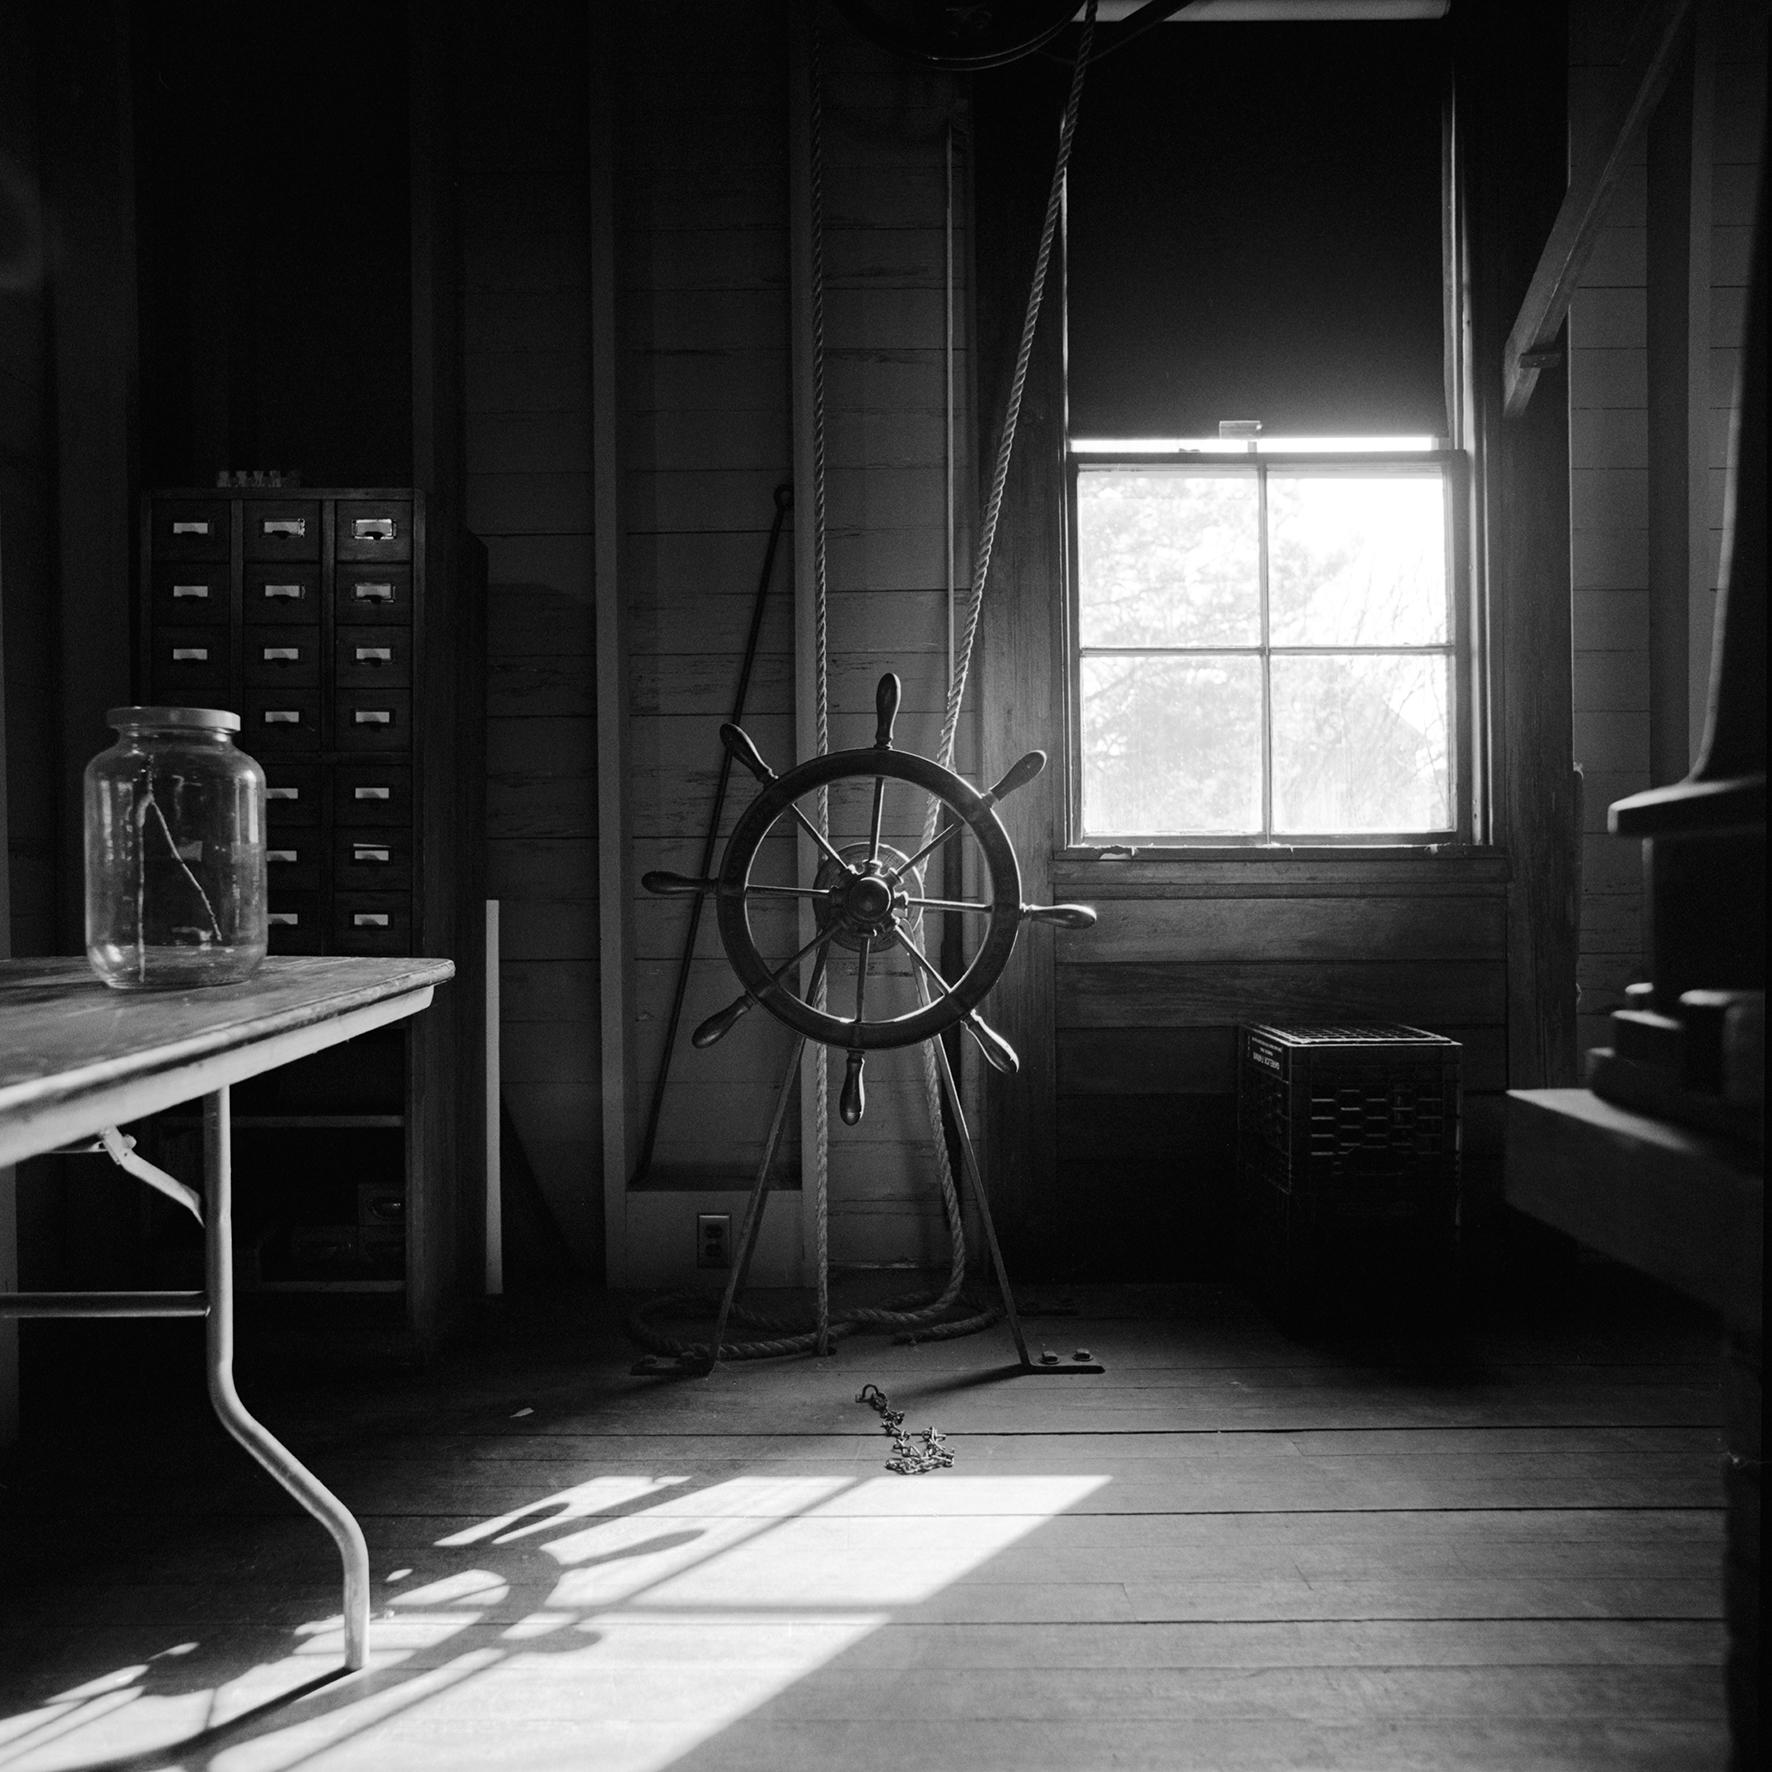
784	502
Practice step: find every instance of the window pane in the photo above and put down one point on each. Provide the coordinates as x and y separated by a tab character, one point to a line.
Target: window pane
1171	746
1168	559
1356	560
1362	743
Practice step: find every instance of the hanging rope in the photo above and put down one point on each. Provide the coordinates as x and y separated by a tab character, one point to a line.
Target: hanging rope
987	529
987	535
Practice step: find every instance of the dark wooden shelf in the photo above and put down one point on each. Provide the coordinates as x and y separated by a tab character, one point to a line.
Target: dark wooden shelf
1685	1208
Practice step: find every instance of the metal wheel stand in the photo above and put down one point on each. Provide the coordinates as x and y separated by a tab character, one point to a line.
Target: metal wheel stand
1047	1367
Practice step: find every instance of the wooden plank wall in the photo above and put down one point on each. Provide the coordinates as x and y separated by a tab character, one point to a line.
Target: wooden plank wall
703	212
527	398
1611	445
27	621
27	822
1150	1000
701	194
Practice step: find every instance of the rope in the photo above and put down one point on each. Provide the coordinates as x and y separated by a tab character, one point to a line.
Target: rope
987	532
987	536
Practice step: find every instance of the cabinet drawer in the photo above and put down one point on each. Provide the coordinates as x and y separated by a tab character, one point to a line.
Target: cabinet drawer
372	923
372	720
373	594
371	794
282	593
295	922
281	653
372	658
365	860
281	529
190	658
187	594
281	720
373	529
189	529
292	796
292	863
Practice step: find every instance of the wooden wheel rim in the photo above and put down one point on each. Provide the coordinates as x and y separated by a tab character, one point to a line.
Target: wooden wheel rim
960	998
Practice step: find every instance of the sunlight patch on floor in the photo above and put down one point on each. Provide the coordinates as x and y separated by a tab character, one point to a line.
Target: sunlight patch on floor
568	1633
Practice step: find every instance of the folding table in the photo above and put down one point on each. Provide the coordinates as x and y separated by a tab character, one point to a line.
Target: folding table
78	1060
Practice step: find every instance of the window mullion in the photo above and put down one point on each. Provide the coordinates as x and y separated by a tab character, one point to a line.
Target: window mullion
1267	675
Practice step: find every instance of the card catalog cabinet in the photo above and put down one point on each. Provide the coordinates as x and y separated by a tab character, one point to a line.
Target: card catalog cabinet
345	627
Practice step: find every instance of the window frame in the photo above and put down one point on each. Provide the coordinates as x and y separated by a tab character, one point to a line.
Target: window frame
1453	465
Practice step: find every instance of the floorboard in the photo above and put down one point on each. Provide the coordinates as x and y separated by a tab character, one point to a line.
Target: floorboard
1230	1550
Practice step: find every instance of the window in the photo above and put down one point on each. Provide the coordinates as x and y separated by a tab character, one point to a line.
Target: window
1266	646
1268	626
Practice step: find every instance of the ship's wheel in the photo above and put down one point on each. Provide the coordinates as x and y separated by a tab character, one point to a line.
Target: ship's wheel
870	899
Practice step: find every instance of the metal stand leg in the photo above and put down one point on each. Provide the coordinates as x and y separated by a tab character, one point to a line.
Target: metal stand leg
753	1218
276	1458
969	1158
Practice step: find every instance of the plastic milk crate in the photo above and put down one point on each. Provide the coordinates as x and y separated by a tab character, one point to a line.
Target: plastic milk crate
1348	1168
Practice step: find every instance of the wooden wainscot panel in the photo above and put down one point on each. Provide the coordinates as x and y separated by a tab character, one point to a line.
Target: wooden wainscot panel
1147	1061
1192	930
1431	992
1123	1061
1175	873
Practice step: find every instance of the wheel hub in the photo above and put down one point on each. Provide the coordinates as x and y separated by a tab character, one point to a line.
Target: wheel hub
863	901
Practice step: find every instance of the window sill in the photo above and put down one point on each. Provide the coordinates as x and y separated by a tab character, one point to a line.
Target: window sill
1278	868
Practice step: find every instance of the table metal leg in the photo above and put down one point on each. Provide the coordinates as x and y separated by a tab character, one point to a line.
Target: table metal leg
275	1457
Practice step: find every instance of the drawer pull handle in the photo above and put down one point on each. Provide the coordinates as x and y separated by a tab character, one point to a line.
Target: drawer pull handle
190	654
372	717
281	855
369	920
282	655
190	526
370	794
372	529
369	591
200	592
291	593
282	716
375	655
284	526
367	852
289	919
282	793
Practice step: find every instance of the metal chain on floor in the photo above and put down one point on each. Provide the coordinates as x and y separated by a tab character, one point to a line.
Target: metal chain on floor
908	1459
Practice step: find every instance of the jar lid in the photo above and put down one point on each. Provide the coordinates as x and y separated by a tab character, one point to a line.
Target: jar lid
207	719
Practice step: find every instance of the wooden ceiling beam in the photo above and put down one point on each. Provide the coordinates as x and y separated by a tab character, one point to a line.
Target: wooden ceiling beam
1533	345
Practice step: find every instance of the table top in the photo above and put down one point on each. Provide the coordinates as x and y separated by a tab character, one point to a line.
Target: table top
74	1050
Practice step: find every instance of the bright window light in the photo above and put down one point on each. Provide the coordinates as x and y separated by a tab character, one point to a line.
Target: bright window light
1265	648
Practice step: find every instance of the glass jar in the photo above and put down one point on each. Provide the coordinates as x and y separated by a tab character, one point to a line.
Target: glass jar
175	852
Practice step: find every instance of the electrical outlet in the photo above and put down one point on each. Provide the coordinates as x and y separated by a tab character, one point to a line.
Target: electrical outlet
713	1239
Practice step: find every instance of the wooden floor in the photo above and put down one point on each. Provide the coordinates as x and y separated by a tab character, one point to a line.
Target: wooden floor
1232	1550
